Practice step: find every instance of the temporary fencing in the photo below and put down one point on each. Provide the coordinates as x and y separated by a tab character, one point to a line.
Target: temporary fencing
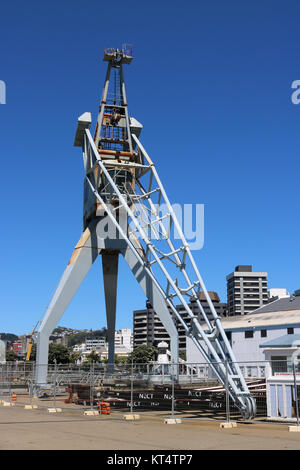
186	390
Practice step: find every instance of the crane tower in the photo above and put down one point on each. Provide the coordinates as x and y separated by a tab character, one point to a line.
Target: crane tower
122	215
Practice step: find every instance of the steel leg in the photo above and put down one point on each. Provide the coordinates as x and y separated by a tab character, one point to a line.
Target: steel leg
80	263
110	277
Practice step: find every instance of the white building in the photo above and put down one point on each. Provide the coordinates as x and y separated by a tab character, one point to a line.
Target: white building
95	344
123	345
124	337
283	354
278	292
247	333
80	348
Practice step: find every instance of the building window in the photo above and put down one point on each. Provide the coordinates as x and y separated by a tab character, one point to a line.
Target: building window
228	334
262	371
263	333
279	364
290	331
248	334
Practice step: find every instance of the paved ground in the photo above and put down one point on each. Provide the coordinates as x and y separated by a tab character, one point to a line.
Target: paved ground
37	429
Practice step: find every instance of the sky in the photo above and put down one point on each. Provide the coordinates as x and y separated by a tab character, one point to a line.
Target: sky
211	84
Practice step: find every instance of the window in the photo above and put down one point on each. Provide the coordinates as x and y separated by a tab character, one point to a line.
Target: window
279	364
263	333
262	371
248	334
290	331
228	334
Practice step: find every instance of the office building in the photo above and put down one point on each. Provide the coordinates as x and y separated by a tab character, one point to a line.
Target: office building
124	338
246	290
149	330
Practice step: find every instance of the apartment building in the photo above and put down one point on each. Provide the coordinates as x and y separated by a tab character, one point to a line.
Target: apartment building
124	338
246	290
149	330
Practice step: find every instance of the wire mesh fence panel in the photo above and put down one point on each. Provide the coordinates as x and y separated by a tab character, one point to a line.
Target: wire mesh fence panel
189	389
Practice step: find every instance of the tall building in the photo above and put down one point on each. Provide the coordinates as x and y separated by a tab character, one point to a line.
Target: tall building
124	338
149	330
246	290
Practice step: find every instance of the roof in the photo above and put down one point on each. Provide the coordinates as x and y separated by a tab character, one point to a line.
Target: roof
260	320
246	274
285	303
282	342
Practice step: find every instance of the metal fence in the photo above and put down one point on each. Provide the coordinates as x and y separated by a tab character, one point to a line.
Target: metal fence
185	389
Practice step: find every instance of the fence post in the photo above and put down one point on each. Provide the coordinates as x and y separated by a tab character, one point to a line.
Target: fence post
2	381
227	394
172	377
92	386
9	389
131	388
296	393
30	392
54	383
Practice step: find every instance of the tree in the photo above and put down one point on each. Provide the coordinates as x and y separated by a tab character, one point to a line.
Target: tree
93	357
74	357
11	355
56	351
121	359
143	354
10	337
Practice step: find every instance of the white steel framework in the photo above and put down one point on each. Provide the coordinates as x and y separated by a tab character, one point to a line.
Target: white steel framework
122	185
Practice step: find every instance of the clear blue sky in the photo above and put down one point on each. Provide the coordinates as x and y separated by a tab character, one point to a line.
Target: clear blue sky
211	83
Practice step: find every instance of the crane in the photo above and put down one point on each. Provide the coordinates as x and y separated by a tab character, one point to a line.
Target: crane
31	341
122	190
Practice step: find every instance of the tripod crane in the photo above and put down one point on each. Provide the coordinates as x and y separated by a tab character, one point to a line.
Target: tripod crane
122	187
